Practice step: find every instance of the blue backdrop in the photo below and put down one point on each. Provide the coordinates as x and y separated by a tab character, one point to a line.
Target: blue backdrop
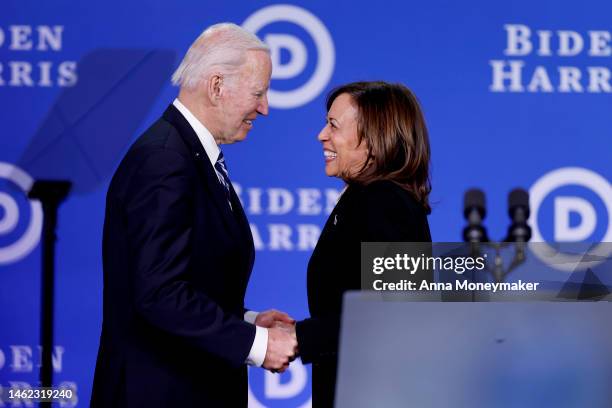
515	94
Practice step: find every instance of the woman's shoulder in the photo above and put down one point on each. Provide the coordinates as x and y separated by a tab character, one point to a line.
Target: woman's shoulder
385	211
386	194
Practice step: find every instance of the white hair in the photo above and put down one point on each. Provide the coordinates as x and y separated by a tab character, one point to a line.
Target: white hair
221	47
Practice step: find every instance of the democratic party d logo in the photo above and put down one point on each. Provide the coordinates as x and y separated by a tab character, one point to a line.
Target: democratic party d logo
581	208
298	52
291	388
19	230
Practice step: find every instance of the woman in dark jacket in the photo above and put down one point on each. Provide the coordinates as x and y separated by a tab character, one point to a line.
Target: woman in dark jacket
375	139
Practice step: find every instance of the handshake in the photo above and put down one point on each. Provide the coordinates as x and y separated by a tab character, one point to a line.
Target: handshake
282	341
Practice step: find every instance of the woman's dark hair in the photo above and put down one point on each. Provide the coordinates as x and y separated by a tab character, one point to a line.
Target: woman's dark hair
391	123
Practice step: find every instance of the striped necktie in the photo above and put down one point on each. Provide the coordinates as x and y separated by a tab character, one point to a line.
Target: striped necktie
223	176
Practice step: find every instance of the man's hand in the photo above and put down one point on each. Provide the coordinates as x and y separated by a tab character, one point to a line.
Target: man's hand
288	327
282	348
270	317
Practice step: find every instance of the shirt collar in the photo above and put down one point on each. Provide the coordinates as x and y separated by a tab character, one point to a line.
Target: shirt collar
204	135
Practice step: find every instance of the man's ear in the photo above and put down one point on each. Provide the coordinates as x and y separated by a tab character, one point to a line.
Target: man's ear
215	88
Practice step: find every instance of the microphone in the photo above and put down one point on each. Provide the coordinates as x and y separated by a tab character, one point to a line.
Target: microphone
518	231
474	211
518	210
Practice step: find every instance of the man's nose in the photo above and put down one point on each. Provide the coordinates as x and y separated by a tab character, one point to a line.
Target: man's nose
262	109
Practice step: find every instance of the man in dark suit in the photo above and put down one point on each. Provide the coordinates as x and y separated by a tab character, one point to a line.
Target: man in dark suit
177	248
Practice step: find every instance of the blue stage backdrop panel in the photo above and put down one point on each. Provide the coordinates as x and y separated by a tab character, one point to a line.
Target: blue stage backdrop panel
515	94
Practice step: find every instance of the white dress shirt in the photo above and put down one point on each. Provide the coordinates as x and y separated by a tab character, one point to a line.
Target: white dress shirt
257	355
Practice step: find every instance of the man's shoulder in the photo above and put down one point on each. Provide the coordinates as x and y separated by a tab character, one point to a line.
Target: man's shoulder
161	135
160	144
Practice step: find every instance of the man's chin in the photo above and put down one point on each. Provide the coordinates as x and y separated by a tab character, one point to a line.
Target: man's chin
240	136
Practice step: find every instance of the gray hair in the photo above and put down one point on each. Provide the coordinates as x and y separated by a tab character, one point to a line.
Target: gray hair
221	47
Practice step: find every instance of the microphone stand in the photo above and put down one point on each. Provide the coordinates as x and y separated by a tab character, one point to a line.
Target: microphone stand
498	272
50	193
519	233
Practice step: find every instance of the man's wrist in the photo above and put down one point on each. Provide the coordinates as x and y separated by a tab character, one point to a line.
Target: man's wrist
257	355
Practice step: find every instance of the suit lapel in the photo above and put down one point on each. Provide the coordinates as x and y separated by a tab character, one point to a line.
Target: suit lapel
205	168
241	217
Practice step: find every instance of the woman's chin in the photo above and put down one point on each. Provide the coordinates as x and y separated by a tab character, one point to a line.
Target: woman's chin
330	172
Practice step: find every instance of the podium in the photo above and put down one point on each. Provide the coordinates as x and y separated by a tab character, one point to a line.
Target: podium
411	351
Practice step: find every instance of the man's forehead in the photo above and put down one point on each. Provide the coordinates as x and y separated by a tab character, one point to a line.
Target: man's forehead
256	67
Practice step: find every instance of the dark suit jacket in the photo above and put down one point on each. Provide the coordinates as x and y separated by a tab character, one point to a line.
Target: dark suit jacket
176	265
379	212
